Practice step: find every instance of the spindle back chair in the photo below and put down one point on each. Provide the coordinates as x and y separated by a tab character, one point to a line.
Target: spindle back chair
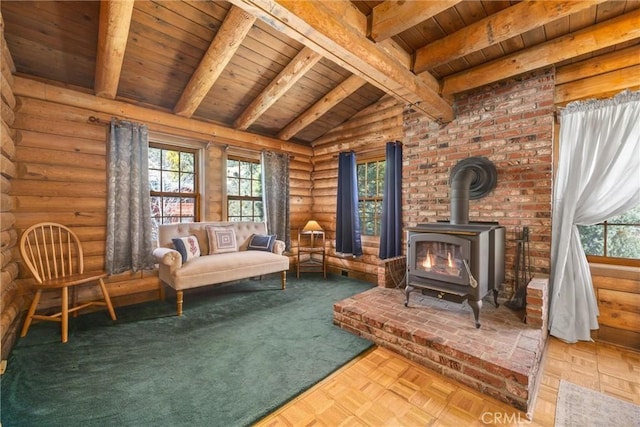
53	254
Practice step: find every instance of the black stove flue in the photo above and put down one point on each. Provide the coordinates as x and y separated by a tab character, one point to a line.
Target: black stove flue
458	260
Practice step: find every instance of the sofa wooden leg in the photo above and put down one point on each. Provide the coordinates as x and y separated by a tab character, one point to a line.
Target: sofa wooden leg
179	296
284	280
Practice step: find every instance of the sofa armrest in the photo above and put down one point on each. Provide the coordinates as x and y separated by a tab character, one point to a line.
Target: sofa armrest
278	247
168	257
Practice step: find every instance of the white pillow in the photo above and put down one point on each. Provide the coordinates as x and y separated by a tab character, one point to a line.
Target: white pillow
221	240
187	246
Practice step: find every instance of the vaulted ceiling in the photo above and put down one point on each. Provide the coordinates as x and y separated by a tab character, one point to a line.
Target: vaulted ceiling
295	69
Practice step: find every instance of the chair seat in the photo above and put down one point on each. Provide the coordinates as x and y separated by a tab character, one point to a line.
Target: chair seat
72	280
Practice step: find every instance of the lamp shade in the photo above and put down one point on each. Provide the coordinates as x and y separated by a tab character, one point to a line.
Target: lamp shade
312	226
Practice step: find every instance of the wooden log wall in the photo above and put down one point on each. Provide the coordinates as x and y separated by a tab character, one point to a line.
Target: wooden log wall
618	294
11	297
61	170
366	134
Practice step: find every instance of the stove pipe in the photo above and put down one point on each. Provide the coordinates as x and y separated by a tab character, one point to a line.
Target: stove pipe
471	178
460	186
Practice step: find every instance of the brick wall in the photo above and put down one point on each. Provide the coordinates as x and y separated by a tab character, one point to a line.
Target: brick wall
509	122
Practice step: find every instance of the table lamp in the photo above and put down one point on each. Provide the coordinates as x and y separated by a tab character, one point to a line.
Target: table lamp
312	227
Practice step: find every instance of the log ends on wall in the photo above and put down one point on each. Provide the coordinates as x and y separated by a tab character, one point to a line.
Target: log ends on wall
12	300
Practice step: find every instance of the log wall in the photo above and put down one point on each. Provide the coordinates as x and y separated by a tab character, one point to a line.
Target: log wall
60	170
366	134
11	297
618	294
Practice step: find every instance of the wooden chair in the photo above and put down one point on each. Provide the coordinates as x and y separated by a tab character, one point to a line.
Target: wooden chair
53	254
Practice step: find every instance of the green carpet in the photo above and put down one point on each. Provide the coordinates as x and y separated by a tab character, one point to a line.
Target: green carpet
238	352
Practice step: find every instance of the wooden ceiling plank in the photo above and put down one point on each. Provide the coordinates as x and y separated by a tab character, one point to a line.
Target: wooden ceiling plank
113	32
293	72
312	25
392	17
494	29
608	33
232	32
342	91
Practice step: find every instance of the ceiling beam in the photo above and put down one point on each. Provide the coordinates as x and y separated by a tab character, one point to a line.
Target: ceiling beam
600	86
294	71
113	32
600	64
392	17
494	29
601	76
312	24
234	29
358	21
337	94
608	33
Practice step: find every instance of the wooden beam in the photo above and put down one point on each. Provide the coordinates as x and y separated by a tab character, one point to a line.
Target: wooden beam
232	32
392	17
598	65
358	22
599	86
608	33
293	72
312	24
494	29
113	32
337	94
155	119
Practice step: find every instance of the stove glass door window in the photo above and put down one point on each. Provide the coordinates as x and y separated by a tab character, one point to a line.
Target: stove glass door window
444	259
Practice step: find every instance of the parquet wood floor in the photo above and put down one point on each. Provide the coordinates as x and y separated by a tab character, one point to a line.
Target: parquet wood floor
381	388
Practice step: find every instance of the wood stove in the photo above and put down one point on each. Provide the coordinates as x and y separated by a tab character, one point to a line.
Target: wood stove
458	260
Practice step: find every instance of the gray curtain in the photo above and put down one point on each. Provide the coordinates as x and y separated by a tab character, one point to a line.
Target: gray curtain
275	195
129	242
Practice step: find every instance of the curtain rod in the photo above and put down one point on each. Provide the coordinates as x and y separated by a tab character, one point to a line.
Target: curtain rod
368	151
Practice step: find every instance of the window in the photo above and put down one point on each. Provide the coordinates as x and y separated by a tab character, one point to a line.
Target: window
173	178
244	190
370	189
615	241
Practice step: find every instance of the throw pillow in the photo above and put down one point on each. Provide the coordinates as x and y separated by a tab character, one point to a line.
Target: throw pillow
221	240
261	242
187	246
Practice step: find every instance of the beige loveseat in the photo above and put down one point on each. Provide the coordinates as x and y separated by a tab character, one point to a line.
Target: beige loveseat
207	269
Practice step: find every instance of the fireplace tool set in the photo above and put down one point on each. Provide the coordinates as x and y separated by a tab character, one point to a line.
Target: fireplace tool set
522	269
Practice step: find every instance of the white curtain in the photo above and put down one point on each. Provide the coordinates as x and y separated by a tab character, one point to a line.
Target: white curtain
598	177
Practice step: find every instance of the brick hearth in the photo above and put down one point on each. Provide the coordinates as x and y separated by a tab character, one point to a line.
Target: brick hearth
501	359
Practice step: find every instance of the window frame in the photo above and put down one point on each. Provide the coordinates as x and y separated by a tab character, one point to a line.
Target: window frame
231	197
377	219
196	194
604	259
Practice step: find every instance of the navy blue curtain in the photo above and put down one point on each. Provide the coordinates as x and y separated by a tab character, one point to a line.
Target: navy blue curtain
391	226
348	241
